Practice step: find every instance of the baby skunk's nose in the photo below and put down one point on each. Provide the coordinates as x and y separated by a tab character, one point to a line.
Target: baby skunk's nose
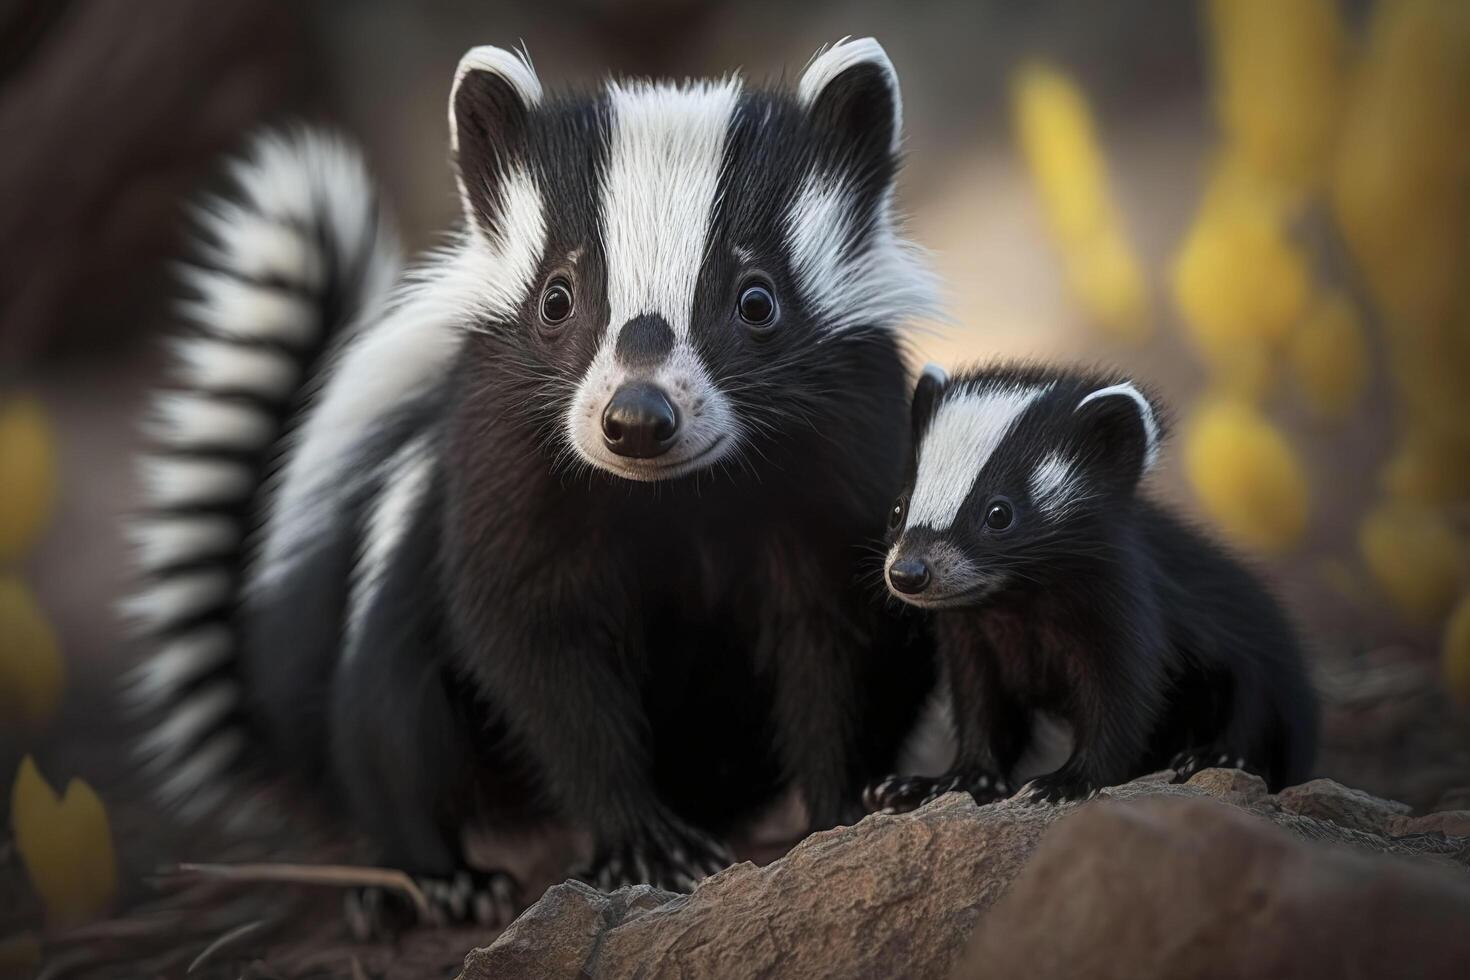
909	576
639	421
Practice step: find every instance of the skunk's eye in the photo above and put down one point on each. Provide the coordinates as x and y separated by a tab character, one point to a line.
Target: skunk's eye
757	305
895	516
998	514
556	301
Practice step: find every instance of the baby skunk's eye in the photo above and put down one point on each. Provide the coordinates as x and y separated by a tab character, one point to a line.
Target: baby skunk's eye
998	514
895	516
757	306
556	302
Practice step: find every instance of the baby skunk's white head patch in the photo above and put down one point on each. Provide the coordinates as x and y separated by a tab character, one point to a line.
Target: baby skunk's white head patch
1016	472
669	270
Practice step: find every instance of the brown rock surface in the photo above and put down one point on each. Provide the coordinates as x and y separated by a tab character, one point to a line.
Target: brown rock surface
1344	806
1189	888
901	895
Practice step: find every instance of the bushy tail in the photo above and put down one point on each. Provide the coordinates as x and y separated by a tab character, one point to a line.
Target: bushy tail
296	255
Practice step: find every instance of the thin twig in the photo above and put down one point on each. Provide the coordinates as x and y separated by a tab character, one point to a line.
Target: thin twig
330	875
59	966
233	936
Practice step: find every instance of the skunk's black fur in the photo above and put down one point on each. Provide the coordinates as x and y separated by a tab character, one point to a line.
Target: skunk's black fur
1093	603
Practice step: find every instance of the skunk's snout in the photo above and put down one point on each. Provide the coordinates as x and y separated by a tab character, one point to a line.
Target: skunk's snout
639	421
909	576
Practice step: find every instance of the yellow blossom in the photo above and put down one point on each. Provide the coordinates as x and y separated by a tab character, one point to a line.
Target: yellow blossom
1058	141
32	673
1245	475
27	475
1279	67
1414	556
1329	357
1401	190
1237	277
65	844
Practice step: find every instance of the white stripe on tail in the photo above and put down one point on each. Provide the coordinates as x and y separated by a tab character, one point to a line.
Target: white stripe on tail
298	255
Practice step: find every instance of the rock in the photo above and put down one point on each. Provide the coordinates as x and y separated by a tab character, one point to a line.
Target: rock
1174	889
892	896
1346	807
1231	785
557	935
900	895
1451	823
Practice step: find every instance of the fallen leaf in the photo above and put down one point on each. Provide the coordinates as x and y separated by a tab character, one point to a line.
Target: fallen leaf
65	845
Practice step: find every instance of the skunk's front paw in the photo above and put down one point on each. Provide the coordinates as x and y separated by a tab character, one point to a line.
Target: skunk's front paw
672	856
1186	764
1056	787
469	896
900	794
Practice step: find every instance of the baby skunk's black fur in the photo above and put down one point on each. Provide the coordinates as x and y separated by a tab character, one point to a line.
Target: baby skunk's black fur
569	529
1060	589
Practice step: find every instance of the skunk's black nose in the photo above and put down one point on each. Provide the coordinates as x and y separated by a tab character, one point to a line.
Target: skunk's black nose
639	421
909	576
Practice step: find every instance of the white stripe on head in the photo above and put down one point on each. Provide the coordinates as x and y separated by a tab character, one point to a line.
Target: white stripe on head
1056	484
1145	415
665	154
966	430
939	374
847	282
513	66
837	59
390	518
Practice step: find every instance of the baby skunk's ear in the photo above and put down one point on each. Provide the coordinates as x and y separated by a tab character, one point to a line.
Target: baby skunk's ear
1121	426
850	92
489	108
926	394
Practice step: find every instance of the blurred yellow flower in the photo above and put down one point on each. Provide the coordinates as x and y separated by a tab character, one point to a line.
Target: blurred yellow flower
27	475
1245	475
1401	190
32	672
1455	654
1237	278
1414	556
1329	356
1059	144
1431	466
65	845
1279	67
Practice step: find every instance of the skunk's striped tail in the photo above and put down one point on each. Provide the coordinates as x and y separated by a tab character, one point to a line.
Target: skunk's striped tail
297	255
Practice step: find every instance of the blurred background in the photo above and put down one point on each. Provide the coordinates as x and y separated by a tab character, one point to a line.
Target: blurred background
1262	209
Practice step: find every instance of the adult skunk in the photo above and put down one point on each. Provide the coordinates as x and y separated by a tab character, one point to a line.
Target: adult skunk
571	524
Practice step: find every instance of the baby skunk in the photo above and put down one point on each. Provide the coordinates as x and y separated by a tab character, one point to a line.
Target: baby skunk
1061	589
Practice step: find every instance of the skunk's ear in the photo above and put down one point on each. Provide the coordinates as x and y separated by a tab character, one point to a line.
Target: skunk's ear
850	92
1120	427
489	109
926	394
